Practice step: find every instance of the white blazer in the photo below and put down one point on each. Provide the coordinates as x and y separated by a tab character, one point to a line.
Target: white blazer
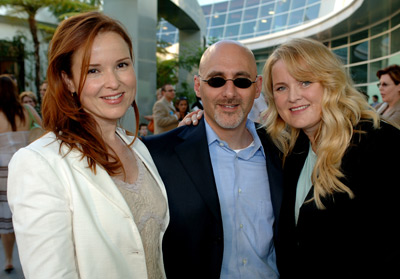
70	223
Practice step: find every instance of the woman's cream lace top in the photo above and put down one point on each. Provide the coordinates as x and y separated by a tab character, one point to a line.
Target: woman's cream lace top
148	207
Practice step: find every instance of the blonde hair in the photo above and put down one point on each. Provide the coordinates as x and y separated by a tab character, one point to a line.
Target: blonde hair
29	94
343	107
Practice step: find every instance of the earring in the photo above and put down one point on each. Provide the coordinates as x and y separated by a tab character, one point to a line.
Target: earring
73	94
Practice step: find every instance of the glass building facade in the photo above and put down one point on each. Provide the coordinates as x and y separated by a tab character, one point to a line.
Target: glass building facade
364	49
243	19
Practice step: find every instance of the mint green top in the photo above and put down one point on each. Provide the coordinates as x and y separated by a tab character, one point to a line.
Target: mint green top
304	184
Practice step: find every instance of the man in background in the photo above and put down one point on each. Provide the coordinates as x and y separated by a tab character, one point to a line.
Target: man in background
164	114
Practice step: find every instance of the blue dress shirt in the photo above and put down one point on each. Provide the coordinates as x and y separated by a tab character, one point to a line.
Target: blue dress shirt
246	208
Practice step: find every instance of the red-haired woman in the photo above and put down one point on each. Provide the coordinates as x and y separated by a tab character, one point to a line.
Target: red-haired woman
87	200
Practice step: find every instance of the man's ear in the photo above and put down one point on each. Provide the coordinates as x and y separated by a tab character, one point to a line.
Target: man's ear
258	85
197	85
68	82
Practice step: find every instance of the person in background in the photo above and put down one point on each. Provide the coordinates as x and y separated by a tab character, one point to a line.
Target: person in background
223	177
258	108
335	221
389	86
143	130
164	112
14	134
197	105
150	118
28	97
86	198
182	106
375	101
42	89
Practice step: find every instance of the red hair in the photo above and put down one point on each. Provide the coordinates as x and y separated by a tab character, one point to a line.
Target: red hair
62	111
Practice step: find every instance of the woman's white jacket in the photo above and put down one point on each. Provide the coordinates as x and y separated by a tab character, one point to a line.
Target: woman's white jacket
70	223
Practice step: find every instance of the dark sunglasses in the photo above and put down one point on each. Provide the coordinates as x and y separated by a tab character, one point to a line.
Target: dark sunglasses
238	82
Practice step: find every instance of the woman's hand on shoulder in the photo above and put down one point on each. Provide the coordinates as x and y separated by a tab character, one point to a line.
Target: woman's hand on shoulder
192	118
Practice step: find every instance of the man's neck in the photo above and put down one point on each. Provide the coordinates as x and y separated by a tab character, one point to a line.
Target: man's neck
237	138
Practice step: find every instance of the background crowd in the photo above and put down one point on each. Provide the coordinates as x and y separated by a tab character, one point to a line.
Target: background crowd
97	202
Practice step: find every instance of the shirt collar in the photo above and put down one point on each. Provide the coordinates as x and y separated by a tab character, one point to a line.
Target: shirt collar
213	137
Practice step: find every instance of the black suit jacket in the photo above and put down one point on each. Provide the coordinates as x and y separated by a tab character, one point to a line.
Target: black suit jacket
351	238
193	242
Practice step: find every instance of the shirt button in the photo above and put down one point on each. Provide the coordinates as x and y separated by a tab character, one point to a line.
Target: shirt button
244	261
221	144
240	191
241	226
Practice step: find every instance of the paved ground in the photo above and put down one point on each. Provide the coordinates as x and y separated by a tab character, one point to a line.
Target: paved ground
17	272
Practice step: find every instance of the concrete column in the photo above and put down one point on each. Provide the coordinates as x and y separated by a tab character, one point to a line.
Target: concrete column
140	19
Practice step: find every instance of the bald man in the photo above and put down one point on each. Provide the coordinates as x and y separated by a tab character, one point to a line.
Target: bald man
223	177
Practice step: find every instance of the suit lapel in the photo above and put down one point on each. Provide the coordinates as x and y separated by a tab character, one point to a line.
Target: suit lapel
103	183
194	155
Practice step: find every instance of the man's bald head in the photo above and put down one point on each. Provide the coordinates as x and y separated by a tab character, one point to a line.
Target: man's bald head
225	46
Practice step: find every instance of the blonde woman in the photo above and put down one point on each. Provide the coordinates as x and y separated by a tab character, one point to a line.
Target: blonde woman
339	210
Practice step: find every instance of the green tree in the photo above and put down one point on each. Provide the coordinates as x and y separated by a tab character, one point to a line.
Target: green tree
31	7
168	69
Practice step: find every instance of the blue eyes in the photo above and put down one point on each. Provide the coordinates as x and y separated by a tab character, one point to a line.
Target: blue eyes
301	84
305	83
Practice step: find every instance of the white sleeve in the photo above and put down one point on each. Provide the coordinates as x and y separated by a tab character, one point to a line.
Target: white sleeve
42	217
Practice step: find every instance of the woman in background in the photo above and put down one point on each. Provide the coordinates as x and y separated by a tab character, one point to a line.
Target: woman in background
182	106
14	134
389	86
28	97
336	220
86	198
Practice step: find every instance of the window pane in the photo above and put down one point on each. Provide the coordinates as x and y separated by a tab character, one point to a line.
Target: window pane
298	3
264	24
380	28
250	3
267	10
282	6
236	4
359	73
342	54
312	12
395	41
234	17
339	42
380	46
206	9
359	36
168	37
312	1
208	19
221	7
218	19
248	28
232	30
296	17
216	32
359	52
394	60
250	14
395	21
375	67
280	22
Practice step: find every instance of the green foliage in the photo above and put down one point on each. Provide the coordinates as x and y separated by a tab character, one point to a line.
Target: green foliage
60	9
168	70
